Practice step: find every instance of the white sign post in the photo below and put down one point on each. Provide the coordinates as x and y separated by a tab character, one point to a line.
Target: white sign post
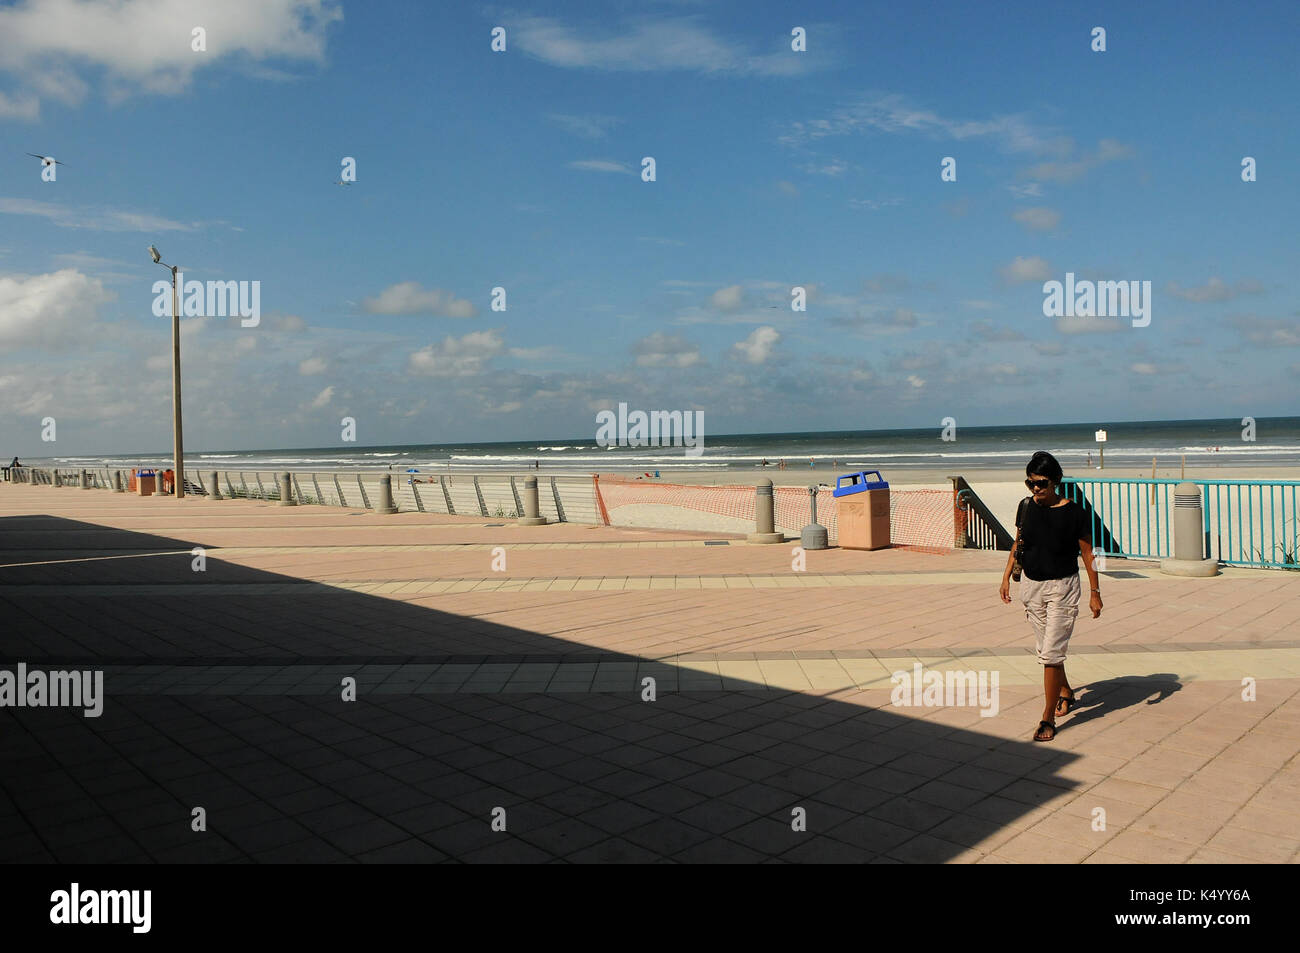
1101	447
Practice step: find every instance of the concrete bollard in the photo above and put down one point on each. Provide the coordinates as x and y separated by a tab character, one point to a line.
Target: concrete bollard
214	486
85	481
1189	535
117	482
764	515
532	510
286	490
386	495
54	477
814	535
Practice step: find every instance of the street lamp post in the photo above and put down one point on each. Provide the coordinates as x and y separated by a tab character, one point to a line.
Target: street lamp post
177	441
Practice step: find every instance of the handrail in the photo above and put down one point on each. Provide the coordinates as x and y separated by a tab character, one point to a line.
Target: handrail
989	531
1245	522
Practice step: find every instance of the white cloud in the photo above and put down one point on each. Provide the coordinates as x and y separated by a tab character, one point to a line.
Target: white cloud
312	366
1038	219
1088	325
1030	191
756	348
1108	150
888	284
144	45
55	310
834	167
101	219
19	107
1268	332
915	381
600	165
1022	270
408	297
588	127
1143	367
323	398
649	45
873	205
665	350
988	331
1216	289
891	113
285	322
457	357
730	298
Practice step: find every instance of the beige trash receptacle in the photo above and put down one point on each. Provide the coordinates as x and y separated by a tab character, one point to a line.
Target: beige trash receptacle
862	511
146	482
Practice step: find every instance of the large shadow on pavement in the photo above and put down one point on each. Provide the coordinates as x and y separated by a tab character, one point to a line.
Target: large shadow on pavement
223	693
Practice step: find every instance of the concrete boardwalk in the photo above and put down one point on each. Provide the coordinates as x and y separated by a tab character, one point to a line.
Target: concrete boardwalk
521	689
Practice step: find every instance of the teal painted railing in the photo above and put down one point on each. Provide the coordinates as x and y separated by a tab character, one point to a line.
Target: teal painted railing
1246	522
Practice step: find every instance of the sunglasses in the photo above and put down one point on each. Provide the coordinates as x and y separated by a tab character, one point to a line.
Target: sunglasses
1038	484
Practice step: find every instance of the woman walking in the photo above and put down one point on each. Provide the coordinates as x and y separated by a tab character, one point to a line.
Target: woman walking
1051	533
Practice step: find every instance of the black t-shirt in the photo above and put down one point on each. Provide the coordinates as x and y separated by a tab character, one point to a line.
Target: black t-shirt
1049	539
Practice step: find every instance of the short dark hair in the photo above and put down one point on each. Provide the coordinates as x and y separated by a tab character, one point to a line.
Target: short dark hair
1043	463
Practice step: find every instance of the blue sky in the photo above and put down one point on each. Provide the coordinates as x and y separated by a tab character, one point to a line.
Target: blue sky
521	169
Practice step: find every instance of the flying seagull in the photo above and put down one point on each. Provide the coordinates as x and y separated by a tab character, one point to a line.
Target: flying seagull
45	159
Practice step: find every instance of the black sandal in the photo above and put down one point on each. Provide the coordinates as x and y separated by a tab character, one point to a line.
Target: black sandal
1069	700
1048	725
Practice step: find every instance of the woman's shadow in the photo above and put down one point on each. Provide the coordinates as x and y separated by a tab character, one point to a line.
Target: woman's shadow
1102	698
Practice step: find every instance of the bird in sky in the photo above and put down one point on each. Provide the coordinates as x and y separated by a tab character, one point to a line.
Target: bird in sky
45	160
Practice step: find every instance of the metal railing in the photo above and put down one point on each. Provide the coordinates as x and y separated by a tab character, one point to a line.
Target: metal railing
1247	522
976	526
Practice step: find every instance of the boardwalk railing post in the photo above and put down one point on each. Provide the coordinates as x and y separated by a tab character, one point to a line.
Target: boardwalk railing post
85	480
286	490
386	495
532	513
214	486
764	515
1189	533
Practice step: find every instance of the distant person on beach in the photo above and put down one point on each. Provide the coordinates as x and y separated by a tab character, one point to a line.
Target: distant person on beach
811	463
764	463
1050	536
782	464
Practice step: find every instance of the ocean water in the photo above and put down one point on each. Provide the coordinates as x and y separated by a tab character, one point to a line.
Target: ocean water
1133	444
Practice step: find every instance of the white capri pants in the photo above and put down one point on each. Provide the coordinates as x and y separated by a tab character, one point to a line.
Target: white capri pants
1051	605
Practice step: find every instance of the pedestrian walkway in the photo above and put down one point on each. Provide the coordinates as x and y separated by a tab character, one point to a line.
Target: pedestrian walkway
524	687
